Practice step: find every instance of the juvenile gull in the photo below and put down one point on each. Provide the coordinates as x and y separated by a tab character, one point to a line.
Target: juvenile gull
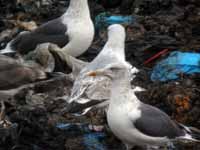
134	122
73	32
14	73
88	91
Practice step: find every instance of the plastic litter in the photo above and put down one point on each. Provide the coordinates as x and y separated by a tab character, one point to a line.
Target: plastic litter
177	63
156	56
105	19
92	140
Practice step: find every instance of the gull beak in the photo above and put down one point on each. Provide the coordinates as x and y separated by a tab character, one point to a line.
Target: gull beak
95	73
99	73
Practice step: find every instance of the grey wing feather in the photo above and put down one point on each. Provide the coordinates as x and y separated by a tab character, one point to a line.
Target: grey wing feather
7	63
52	27
51	32
14	73
156	123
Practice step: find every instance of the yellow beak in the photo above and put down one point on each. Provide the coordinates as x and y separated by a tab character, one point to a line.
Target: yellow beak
92	74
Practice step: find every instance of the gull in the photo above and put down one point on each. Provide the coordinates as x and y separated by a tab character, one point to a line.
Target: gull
88	91
134	122
15	73
73	32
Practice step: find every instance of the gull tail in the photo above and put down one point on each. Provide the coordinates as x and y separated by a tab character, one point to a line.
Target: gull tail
83	106
192	134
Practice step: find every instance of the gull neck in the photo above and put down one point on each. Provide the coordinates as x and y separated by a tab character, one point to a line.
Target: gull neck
78	8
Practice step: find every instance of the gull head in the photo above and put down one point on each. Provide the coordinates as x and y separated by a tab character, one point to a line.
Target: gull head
116	28
112	71
116	35
115	42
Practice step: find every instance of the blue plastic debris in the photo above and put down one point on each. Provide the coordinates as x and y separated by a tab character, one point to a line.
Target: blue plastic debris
177	63
105	19
91	140
63	126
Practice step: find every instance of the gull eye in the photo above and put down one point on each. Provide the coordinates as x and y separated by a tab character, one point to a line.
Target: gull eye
114	69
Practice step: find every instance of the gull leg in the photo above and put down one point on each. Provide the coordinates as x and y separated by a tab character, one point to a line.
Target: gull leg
96	128
128	146
170	146
91	121
7	125
3	122
152	147
2	114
